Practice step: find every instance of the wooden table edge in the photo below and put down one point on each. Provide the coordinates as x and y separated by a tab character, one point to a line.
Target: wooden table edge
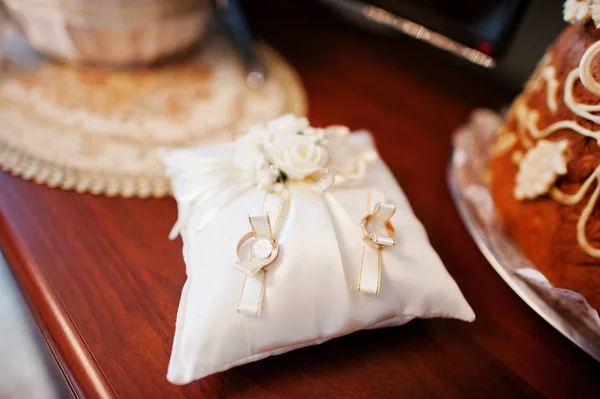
75	360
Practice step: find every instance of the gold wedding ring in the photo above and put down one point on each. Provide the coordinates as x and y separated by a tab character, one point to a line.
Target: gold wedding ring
375	240
269	260
265	247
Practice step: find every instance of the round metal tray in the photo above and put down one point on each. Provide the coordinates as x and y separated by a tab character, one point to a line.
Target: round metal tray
468	179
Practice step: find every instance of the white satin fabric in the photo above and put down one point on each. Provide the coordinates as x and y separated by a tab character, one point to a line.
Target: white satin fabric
310	293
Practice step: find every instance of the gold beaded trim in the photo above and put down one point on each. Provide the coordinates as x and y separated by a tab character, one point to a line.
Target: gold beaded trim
55	175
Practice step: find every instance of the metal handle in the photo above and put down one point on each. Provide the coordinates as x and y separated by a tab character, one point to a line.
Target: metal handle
233	16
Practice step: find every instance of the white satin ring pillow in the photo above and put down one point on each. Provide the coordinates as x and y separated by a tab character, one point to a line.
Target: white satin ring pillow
310	293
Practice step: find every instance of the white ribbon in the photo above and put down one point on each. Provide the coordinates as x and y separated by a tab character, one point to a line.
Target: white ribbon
264	226
325	180
371	262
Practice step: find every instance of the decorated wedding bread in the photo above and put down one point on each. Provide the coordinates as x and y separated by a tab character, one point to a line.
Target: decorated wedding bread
293	235
546	162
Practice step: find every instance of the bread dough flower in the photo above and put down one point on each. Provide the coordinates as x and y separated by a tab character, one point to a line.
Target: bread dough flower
577	11
540	168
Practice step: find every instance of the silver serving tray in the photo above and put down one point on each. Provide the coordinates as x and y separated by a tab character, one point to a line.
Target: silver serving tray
521	288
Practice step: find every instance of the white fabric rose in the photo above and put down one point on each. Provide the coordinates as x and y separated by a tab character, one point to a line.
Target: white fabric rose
539	169
250	146
297	155
289	145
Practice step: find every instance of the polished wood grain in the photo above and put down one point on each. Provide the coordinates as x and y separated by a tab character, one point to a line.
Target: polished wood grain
104	281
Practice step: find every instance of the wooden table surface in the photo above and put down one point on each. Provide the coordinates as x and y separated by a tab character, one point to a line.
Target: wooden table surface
104	281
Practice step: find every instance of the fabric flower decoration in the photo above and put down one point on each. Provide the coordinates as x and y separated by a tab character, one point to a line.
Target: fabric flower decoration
267	176
577	11
288	148
250	147
297	155
540	168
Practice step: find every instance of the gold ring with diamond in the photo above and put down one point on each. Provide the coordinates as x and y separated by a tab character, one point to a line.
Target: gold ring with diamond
261	249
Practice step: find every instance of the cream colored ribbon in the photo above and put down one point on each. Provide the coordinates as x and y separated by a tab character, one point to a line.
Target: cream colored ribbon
253	289
369	279
326	179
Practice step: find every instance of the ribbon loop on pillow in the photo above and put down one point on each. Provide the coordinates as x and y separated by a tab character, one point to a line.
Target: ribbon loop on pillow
380	219
324	180
263	254
373	244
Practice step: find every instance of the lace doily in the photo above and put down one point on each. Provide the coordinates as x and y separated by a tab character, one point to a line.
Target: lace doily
99	131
